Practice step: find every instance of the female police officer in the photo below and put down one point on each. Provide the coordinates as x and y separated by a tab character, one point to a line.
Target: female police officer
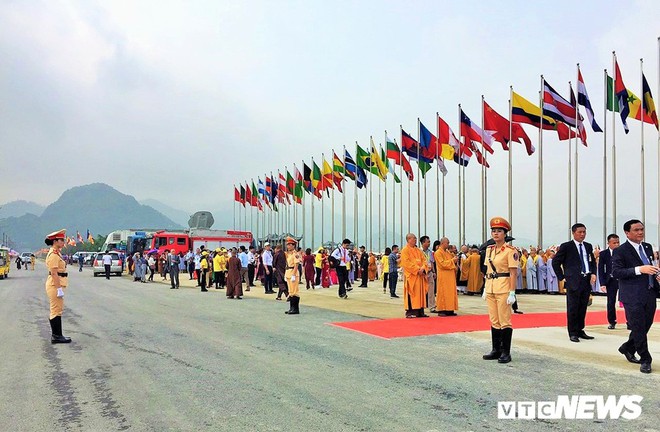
501	262
56	282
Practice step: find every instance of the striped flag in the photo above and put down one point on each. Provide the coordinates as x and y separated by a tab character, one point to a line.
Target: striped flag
583	99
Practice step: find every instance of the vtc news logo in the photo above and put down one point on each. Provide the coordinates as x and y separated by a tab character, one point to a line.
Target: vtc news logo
582	407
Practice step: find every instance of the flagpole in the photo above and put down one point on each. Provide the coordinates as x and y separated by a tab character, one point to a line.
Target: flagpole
460	172
605	158
437	177
355	202
484	180
510	173
313	195
332	212
613	144
322	199
569	171
643	179
379	207
401	194
343	197
540	171
234	210
577	163
419	170
658	150
371	199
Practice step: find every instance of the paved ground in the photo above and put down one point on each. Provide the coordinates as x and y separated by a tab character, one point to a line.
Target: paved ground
146	358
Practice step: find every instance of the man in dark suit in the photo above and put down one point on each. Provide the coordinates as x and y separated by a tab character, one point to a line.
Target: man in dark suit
608	284
364	266
575	263
638	287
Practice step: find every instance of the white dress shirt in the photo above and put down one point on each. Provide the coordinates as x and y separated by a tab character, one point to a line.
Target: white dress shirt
585	254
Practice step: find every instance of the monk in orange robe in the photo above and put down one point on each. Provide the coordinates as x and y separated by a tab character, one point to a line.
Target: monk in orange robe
415	279
446	299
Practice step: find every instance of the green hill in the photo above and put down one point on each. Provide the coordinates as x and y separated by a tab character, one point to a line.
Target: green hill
97	207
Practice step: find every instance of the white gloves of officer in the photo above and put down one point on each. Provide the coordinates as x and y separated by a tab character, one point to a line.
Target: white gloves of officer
293	278
483	296
512	298
60	292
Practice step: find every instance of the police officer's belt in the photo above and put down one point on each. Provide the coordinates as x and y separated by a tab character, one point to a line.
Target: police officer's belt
63	274
497	275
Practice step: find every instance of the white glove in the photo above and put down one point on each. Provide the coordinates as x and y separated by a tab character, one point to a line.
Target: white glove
293	278
512	298
60	292
483	296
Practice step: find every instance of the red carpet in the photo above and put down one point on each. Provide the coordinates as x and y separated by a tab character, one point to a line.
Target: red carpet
406	327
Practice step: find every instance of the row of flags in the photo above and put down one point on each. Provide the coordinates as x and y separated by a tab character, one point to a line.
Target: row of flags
71	241
554	112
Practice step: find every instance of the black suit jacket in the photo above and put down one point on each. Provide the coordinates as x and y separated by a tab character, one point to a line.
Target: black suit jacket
279	262
605	267
364	261
632	288
568	265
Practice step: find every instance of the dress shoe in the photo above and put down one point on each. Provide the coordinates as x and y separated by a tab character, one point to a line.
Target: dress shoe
518	312
394	296
345	296
239	298
583	335
574	339
629	356
350	289
611	326
645	368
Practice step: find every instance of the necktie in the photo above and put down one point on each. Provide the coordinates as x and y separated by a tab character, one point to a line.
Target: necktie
645	260
584	268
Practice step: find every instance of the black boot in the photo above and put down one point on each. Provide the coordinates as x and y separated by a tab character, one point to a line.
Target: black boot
294	301
56	327
496	336
506	345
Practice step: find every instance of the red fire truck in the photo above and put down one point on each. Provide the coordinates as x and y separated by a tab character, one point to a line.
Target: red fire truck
183	241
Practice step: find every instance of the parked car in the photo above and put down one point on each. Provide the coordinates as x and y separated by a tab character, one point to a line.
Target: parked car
115	267
5	262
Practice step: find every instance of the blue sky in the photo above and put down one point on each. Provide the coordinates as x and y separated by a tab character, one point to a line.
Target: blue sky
158	98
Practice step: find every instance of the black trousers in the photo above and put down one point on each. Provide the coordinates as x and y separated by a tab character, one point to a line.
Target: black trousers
250	275
317	280
393	280
107	271
640	318
174	277
385	279
577	298
219	279
365	275
342	275
268	286
283	288
612	290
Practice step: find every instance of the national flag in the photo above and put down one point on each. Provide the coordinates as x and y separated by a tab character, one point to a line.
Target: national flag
269	189
500	126
377	162
237	195
90	237
242	195
79	237
387	165
412	148
634	103
583	99
647	103
447	140
326	172
622	96
523	111
298	190
248	194
558	108
282	192
70	241
582	132
394	153
363	159
307	179
337	171
261	188
463	155
290	183
255	195
471	132
317	182
353	171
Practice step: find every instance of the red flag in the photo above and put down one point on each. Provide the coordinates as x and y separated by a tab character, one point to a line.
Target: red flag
237	195
471	132
500	126
248	194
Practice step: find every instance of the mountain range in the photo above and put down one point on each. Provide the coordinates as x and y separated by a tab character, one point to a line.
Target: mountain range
96	207
19	208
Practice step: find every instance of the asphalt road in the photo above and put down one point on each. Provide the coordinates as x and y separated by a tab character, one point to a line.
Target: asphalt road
146	358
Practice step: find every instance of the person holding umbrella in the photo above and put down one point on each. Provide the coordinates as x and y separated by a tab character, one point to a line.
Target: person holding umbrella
56	283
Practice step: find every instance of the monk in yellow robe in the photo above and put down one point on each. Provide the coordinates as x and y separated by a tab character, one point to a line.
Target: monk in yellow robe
471	267
415	279
446	299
